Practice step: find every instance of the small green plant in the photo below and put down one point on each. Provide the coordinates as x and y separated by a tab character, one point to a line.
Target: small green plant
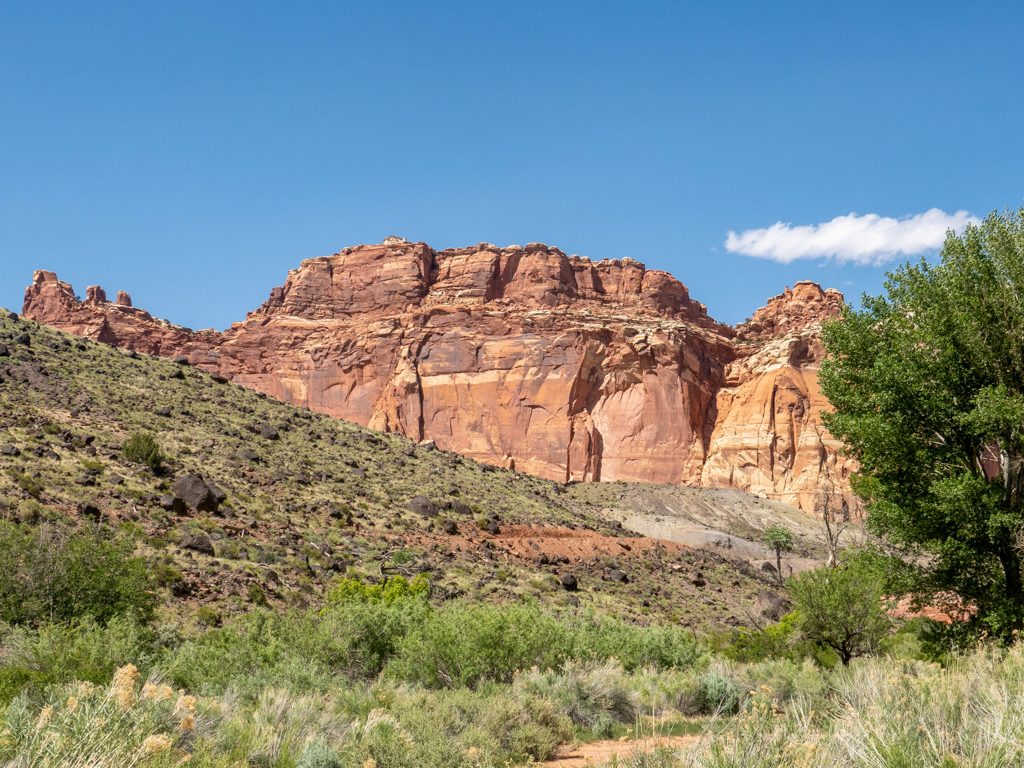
402	556
317	754
780	540
26	483
142	448
256	595
397	588
208	616
93	465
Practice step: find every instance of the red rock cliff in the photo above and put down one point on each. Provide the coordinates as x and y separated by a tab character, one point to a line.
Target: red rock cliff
553	364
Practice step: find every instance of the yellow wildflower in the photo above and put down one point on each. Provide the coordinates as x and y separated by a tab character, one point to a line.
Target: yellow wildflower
154	745
124	686
186	706
72	704
157	692
44	717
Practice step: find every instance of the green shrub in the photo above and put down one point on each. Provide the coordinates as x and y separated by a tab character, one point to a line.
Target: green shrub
592	695
208	616
142	448
606	637
776	641
718	694
468	728
26	483
299	651
317	754
93	465
50	575
31	512
53	654
256	595
462	645
388	592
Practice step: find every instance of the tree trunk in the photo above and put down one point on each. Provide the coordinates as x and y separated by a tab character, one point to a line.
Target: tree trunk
778	563
1010	562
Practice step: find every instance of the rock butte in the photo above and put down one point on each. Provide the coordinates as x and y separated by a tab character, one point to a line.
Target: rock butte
525	357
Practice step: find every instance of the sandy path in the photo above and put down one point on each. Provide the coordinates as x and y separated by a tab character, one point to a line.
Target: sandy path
598	752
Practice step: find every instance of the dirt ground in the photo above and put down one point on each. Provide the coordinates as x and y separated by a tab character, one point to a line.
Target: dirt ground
598	752
531	541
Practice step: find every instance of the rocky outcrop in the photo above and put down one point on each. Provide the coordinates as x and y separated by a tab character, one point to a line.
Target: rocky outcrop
768	438
521	356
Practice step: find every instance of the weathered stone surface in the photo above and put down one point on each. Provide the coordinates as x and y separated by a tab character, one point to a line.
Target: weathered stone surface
523	358
196	493
768	438
199	543
421	505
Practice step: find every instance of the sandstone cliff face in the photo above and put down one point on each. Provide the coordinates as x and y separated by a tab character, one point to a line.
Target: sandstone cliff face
521	356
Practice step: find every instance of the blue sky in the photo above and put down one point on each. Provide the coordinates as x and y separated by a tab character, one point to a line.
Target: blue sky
192	153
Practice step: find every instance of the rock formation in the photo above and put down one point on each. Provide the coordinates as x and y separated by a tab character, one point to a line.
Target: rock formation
525	357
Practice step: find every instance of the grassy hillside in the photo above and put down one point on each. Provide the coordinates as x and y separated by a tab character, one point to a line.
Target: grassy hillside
308	498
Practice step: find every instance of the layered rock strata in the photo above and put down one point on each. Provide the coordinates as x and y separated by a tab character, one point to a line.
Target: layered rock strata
525	357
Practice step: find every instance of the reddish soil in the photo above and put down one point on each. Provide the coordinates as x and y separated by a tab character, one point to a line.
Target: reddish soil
598	752
529	542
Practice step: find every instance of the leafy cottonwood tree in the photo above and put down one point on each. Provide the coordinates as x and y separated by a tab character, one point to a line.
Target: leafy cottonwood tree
841	608
927	383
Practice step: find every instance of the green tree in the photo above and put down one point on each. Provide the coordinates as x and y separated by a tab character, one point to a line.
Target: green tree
841	608
142	448
48	575
927	386
780	540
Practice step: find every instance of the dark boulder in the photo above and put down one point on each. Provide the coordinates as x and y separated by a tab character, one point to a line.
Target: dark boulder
163	411
219	379
196	493
493	528
569	583
89	510
772	605
246	455
23	338
173	504
180	360
267	432
461	509
200	544
697	579
421	505
618	576
450	527
218	494
4	352
10	450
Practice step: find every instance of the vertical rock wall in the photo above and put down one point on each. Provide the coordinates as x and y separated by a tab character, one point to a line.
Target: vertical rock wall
525	357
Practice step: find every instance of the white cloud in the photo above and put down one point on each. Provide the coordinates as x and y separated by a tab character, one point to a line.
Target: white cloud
869	239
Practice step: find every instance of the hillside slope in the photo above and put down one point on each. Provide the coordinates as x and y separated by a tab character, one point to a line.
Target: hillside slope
304	497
